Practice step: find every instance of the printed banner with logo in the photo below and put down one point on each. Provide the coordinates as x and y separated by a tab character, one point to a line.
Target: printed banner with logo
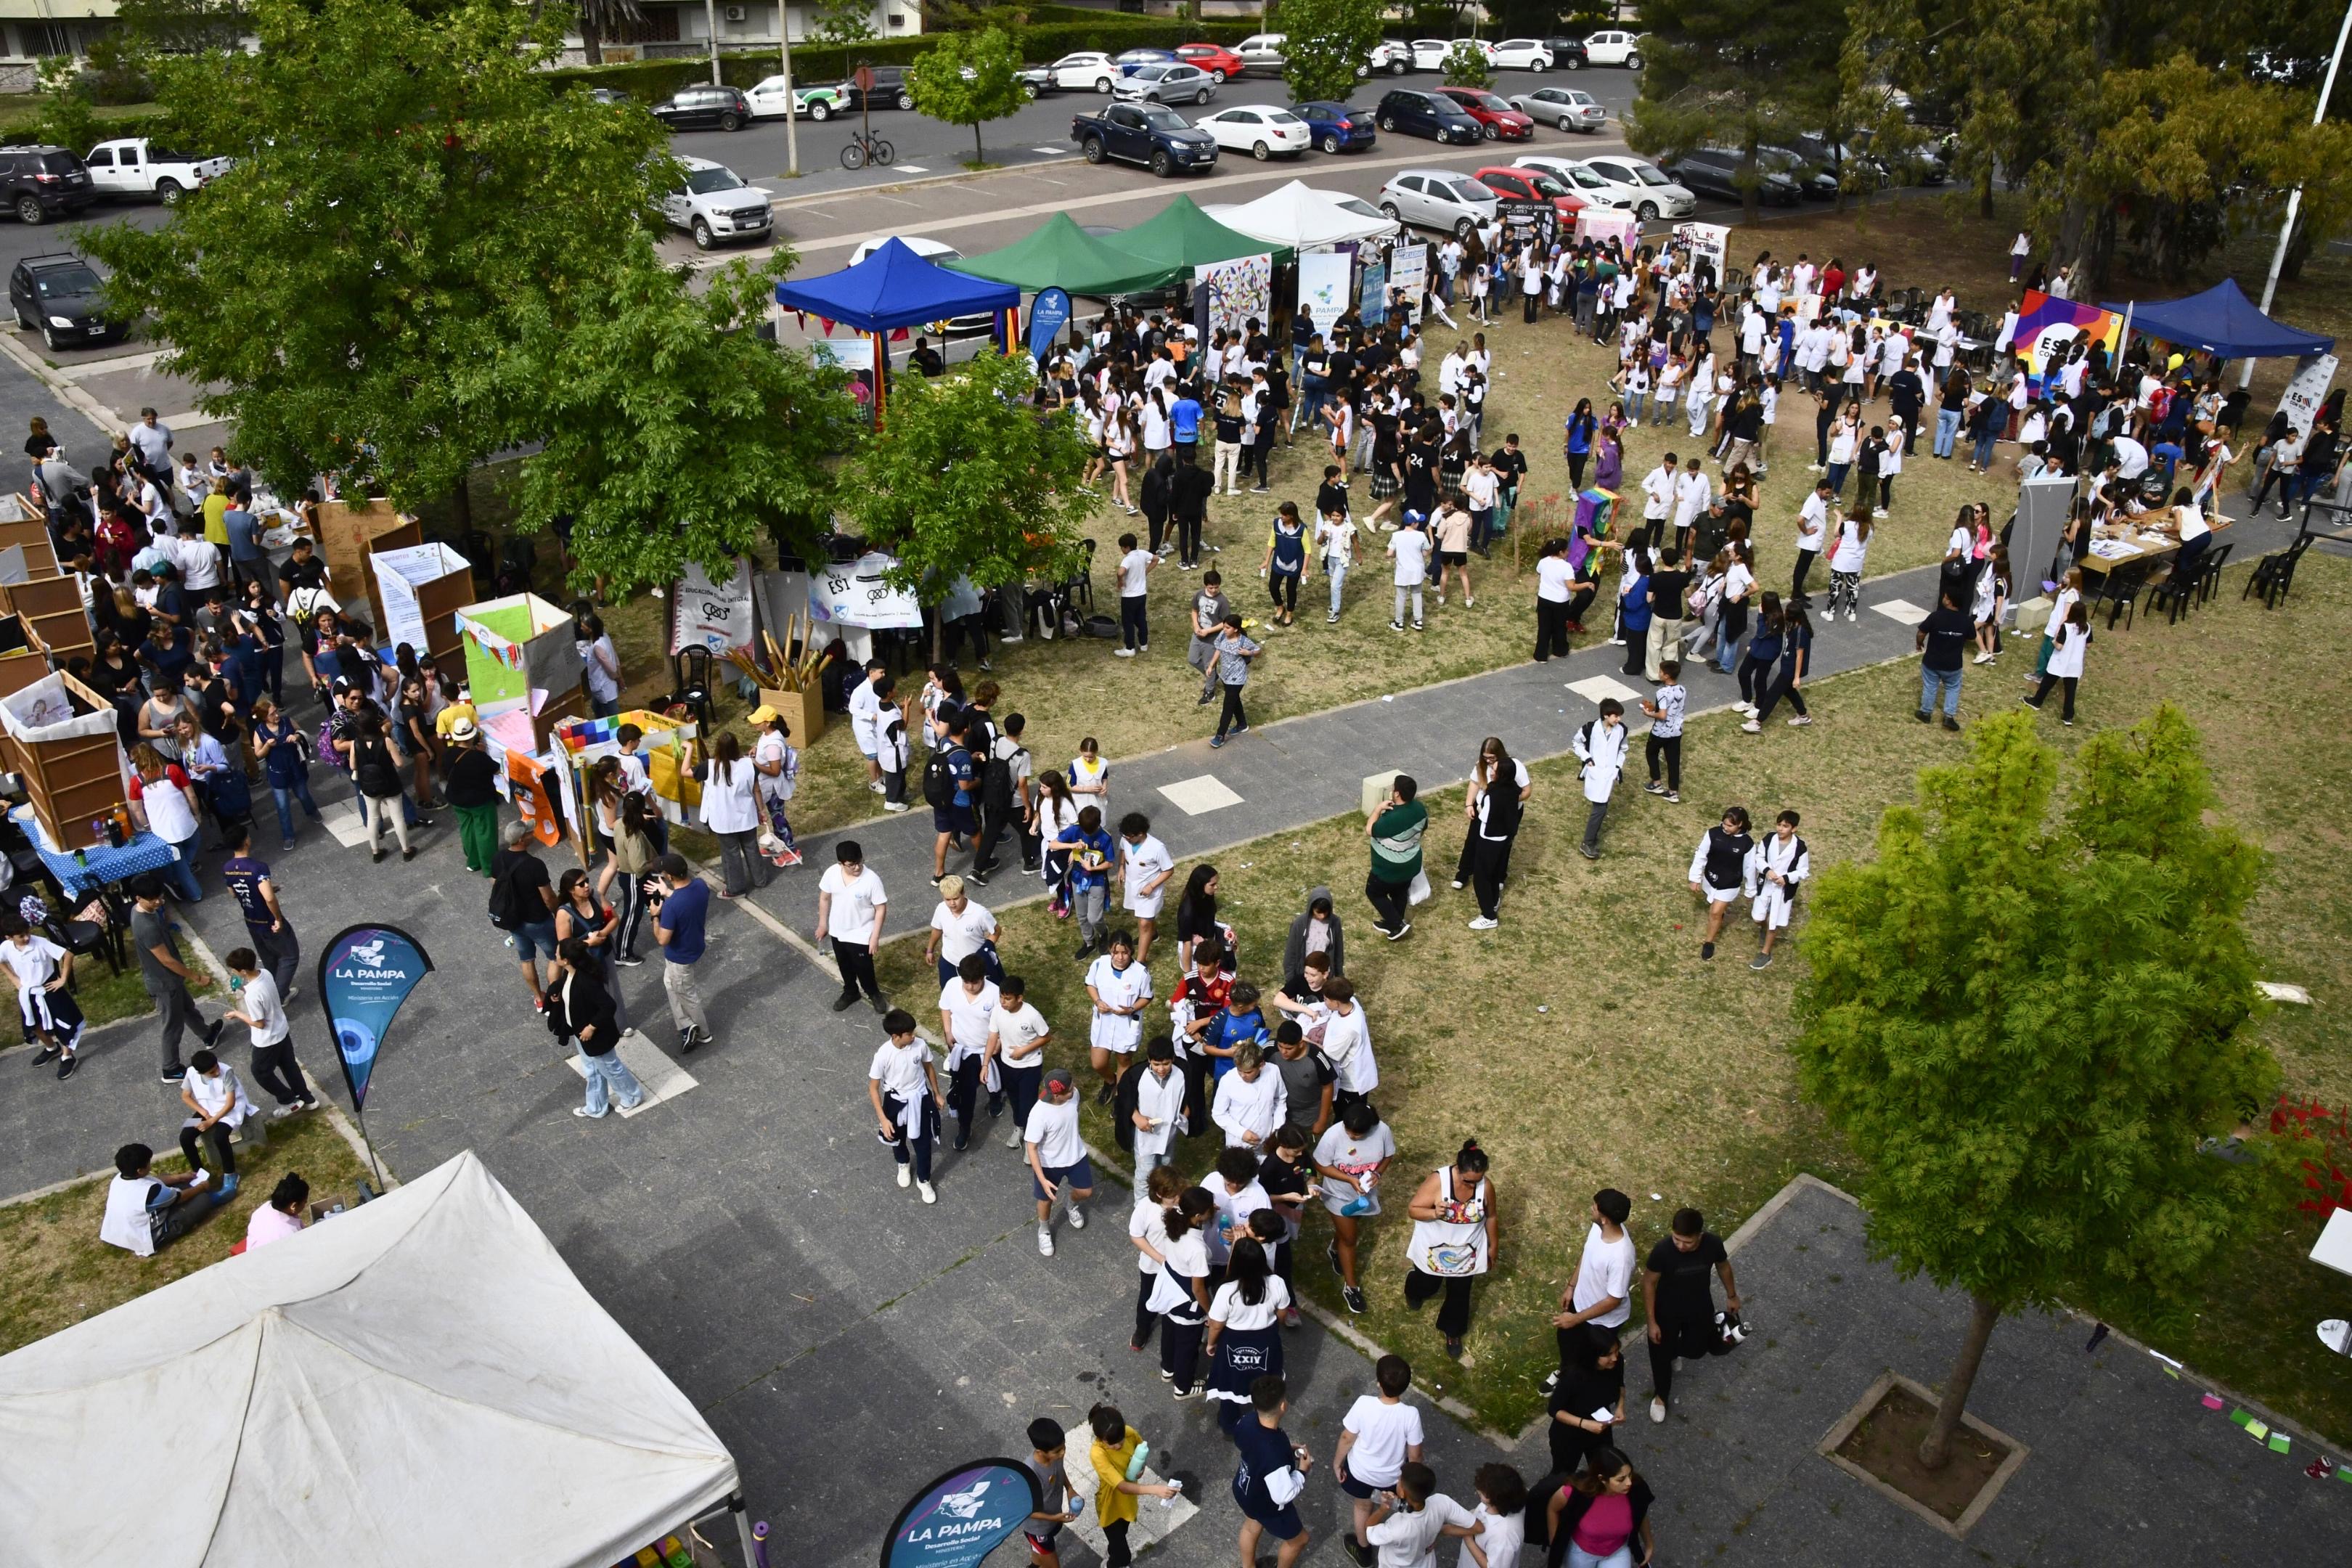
1233	293
2048	329
709	615
2307	390
961	1517
1049	312
860	595
1373	292
527	786
364	974
1709	244
1324	286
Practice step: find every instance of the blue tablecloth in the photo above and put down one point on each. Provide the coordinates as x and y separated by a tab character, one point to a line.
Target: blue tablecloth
100	864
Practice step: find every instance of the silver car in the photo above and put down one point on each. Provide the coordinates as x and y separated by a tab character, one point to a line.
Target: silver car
1437	198
1570	109
1167	84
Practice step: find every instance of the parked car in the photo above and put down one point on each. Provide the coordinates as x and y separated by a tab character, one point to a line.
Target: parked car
1520	54
1262	131
41	182
1146	133
1498	121
1567	54
1813	182
1088	70
1167	84
770	100
1716	172
1215	58
705	108
1389	56
929	250
890	90
1572	175
135	166
712	203
1618	181
1522	184
1437	198
1429	54
1614	46
1133	58
1337	126
1409	112
1569	108
607	95
60	297
1036	78
1262	54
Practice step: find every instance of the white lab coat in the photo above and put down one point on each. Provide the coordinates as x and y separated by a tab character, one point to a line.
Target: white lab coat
1602	749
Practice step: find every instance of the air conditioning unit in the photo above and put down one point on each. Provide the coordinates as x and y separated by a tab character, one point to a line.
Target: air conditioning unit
734	13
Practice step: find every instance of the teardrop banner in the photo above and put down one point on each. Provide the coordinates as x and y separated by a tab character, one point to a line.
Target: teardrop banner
961	1517
366	972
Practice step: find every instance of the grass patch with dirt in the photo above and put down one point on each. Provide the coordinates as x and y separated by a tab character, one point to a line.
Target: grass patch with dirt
1585	1045
60	1273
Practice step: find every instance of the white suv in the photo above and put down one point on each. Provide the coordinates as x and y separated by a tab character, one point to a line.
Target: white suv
1520	54
1086	71
713	203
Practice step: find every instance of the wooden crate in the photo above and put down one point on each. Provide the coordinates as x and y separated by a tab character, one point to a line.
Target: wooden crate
804	714
71	781
348	532
23	658
49	601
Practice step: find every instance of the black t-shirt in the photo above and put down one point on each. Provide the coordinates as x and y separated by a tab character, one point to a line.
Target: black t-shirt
1903	391
1278	1176
1331	497
1684	1294
1419	478
1669	588
299	573
1949	634
1510	467
471	773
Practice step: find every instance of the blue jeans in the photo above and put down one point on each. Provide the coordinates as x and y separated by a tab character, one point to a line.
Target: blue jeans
1726	653
1982	457
1947	425
1635	402
1338	569
609	1079
1836	475
298	790
1947	681
181	874
1578	1557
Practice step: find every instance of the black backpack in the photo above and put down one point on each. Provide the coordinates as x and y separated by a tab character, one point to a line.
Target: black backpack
938	784
502	901
996	783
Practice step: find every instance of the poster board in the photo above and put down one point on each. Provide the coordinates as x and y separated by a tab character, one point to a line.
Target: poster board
1593	224
60	737
857	595
522	656
2049	329
1230	294
1373	292
2306	390
1709	244
1325	279
421	588
586	741
1526	221
709	613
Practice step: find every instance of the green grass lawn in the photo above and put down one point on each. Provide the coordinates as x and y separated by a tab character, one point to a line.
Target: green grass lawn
60	1273
1584	1043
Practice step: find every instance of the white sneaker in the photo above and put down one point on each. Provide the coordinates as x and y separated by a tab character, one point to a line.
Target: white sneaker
1122	652
1457	884
1076	1216
1800	722
1752	728
1013	1138
894	806
1853	614
1045	1241
930	1194
906	1176
1658	1411
1483	923
1982	659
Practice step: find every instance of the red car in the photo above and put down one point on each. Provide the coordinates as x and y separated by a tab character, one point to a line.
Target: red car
1498	120
1215	58
1516	184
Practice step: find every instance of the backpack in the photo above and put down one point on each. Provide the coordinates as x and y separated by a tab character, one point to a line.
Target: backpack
939	785
502	901
996	780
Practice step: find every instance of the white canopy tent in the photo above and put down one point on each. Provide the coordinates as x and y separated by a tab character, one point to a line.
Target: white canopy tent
419	1380
1299	216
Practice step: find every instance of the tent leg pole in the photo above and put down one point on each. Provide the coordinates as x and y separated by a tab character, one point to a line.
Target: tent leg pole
753	1554
360	1119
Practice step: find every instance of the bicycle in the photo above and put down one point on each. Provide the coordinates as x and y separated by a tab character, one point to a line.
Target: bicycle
867	148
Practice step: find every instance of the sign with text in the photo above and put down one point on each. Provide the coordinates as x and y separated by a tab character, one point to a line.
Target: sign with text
364	975
2307	390
861	595
711	614
961	1517
1049	312
1325	280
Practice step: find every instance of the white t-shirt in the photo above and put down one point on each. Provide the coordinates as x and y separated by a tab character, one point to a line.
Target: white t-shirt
1234	1211
960	934
35	964
1143	1225
1385	1433
1228	1308
1479	487
1499	1537
900	1072
1131	569
1605	1270
855	900
1055	1129
1144	861
1342	1151
1188	1260
1347	1043
1411	548
260	1001
1017	1034
1410	1540
968	1016
1553	574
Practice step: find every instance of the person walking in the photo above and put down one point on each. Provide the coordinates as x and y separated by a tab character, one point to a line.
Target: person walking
2065	666
580	1009
1599	1518
1349	1157
851	906
284	752
375	772
1600	745
968	1000
1134	568
1941	639
1763	652
1234	649
1395	831
163	973
1121	989
1678	1300
266	925
681	906
1455	1230
1181	1293
1271	1470
473	793
1718	870
1847	558
522	904
1669	593
1499	789
1796	662
1113	1454
1243	1336
903	1083
1666	739
1554	577
261	1008
43	972
579	912
1378	1436
1410	547
1776	866
1600	1294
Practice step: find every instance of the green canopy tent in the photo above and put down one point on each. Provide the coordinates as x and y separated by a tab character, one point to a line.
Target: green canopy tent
1061	254
1184	236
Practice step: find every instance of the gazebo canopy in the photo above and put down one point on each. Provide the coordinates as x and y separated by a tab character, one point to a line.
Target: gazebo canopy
1181	233
893	287
1302	217
1058	253
2223	320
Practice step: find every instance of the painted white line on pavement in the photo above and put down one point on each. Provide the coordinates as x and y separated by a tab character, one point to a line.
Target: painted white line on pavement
88	368
1051	151
662	1078
1197	796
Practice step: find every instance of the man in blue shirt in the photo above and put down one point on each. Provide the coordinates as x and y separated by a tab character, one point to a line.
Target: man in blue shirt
1091	866
960	816
680	908
1184	423
249	558
272	934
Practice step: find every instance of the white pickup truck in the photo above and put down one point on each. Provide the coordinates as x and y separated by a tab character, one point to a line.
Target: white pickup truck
133	166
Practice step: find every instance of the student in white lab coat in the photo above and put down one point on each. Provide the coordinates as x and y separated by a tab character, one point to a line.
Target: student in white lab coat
1600	746
2065	666
1251	1102
1776	868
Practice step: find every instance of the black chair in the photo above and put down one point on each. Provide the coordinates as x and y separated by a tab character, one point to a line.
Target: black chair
1082	584
2122	595
693	671
2172	593
82	938
2208	574
2274	575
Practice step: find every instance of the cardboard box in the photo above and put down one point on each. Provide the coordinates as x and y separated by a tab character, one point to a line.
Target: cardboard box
804	714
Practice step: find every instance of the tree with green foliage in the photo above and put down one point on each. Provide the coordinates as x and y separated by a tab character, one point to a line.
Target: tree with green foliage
843	24
2022	1025
1465	65
1324	46
183	27
406	182
968	477
1880	62
969	78
672	431
1739	74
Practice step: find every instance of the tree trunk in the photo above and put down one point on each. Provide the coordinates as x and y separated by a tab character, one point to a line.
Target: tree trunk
591	43
979	153
461	507
2298	251
1934	1450
1984	194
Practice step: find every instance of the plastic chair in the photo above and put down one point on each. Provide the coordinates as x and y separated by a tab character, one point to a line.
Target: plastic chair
2274	575
2171	593
82	938
1082	584
694	672
2209	576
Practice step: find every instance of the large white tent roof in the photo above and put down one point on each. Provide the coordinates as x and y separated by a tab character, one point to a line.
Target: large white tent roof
419	1380
1299	216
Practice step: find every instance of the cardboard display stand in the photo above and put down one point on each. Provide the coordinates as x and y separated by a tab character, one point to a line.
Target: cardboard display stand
422	588
24	659
803	713
48	599
349	531
60	737
521	657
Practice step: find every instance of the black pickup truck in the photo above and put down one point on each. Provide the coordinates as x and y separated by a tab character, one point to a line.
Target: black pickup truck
1144	133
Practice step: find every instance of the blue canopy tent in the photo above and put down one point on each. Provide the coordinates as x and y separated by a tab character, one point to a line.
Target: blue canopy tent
2222	320
893	288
